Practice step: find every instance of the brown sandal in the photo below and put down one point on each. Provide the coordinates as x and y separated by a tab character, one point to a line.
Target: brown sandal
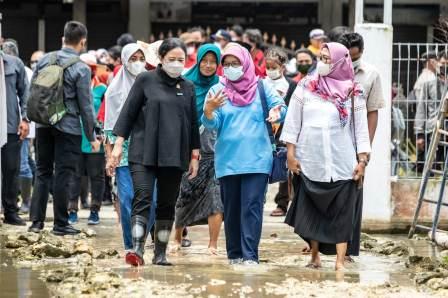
278	212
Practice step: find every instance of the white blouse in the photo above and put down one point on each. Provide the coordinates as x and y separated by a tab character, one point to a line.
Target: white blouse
324	148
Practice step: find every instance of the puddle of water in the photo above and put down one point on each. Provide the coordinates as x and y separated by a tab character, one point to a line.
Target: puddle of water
279	255
19	282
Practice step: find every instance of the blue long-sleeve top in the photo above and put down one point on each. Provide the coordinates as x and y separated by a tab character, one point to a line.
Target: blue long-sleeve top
242	144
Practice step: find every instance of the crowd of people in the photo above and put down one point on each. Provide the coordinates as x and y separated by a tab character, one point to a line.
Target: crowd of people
181	128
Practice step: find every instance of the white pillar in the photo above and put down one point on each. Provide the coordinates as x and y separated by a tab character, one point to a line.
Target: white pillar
377	187
41	34
79	11
139	19
359	12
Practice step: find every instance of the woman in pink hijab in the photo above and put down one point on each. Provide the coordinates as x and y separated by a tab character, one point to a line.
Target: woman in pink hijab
328	147
243	150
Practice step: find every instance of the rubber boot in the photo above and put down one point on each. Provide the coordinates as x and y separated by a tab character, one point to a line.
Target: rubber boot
25	193
139	233
162	235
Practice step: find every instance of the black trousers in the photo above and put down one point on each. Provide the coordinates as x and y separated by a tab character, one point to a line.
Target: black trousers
282	197
422	155
10	173
91	165
58	151
168	183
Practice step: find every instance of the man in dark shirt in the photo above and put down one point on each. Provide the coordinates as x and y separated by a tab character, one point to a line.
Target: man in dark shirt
16	87
60	144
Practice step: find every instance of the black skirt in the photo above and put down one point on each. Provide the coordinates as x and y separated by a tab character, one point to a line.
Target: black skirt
327	212
200	197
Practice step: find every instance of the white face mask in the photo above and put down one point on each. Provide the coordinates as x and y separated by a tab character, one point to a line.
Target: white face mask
233	73
173	69
135	68
190	51
323	69
274	74
356	64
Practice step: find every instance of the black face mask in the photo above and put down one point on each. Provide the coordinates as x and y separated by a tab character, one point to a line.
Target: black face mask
303	68
110	66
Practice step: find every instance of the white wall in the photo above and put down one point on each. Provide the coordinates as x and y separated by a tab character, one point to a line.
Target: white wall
377	187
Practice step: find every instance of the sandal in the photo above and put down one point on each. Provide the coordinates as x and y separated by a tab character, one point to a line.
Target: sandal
349	259
313	266
278	212
186	243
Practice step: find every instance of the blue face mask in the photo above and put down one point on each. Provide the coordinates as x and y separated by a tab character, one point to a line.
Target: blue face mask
233	73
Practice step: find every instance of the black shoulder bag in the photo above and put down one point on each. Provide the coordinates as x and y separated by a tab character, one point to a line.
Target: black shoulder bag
279	171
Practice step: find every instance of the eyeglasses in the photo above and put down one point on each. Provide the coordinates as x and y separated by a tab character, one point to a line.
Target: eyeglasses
233	64
208	63
325	59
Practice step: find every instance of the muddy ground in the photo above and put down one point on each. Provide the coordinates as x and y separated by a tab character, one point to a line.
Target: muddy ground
92	265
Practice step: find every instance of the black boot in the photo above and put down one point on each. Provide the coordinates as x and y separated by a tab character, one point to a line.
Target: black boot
25	192
162	235
139	233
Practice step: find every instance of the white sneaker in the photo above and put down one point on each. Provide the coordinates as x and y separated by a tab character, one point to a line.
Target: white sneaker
250	263
235	261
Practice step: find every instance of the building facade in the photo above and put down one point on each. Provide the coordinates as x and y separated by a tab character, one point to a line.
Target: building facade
38	24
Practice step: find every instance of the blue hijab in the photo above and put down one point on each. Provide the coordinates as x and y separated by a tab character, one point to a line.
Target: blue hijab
202	83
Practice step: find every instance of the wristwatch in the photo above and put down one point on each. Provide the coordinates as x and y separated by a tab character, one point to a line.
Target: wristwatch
362	160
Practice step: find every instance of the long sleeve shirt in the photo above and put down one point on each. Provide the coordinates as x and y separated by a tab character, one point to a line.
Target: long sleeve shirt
242	144
160	116
324	148
16	83
428	104
77	95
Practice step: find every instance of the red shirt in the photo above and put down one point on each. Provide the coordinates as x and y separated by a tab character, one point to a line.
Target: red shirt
260	62
298	77
191	61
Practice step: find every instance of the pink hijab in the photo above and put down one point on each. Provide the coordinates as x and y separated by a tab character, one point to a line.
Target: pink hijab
242	92
337	85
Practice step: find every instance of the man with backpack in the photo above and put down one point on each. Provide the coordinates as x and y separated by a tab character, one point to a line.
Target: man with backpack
16	93
59	96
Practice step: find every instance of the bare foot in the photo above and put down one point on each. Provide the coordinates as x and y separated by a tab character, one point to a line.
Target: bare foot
314	264
349	259
176	247
340	267
212	251
306	249
311	265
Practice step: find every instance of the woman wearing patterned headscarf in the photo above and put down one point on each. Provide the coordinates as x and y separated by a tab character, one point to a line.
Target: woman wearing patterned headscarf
328	150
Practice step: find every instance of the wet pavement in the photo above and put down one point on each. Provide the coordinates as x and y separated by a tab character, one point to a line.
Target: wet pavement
282	271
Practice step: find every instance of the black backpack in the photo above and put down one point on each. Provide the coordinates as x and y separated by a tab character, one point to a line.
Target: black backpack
46	101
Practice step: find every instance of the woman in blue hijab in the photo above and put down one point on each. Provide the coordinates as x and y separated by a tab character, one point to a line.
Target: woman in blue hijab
199	199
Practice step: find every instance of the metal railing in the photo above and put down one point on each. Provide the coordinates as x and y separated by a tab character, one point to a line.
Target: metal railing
407	66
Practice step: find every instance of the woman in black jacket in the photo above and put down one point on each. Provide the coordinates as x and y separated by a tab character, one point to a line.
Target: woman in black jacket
161	119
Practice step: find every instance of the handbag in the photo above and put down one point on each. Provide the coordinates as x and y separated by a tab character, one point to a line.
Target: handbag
279	171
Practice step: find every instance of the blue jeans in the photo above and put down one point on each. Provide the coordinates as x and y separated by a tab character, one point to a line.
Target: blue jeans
126	196
25	169
243	197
